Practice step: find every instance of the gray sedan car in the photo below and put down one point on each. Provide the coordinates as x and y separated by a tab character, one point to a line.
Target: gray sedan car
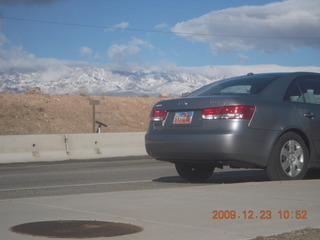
269	121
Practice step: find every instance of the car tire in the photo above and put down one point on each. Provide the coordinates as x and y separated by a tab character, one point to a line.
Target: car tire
194	172
289	158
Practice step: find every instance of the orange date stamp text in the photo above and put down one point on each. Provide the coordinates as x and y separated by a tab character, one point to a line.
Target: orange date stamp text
260	214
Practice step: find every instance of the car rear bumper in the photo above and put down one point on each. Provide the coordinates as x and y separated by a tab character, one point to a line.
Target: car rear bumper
242	149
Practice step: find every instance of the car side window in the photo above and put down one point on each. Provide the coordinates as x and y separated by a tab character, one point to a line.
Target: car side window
310	89
305	90
293	93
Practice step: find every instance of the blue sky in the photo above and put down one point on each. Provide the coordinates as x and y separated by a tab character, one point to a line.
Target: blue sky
190	33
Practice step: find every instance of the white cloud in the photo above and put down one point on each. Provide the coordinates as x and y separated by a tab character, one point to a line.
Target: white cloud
278	26
242	58
122	25
3	39
119	26
120	53
17	59
161	26
85	51
88	53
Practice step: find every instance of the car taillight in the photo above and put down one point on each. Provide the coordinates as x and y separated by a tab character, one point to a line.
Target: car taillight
158	115
229	112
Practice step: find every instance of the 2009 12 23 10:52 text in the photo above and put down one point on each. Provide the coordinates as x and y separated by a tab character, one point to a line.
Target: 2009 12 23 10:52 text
260	214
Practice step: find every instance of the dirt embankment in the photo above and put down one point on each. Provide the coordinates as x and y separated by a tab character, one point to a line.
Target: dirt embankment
65	114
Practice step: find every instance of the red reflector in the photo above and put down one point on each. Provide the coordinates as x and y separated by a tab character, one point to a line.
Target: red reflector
158	115
229	112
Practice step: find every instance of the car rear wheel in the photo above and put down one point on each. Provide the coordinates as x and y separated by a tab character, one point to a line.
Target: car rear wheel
194	172
289	158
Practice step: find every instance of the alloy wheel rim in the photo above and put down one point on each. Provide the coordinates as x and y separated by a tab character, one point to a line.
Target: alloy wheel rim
292	158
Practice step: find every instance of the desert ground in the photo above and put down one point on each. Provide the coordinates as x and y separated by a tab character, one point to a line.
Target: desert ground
23	114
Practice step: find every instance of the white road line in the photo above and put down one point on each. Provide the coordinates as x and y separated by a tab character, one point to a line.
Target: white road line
75	185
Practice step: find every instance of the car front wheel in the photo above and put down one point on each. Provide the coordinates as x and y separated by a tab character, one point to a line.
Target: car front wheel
289	158
194	172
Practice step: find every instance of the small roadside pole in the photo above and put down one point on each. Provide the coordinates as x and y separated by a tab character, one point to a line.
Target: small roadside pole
93	103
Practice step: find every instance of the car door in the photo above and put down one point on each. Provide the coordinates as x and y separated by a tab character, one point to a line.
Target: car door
304	93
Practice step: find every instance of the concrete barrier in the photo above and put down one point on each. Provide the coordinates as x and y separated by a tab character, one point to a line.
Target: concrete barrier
104	145
26	148
34	148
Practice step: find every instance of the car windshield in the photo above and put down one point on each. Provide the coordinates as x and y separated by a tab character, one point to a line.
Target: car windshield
235	86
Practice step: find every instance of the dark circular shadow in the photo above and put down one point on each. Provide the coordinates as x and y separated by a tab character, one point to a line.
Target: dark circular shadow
76	229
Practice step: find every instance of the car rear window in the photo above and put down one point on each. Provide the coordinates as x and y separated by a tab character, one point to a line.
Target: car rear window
235	86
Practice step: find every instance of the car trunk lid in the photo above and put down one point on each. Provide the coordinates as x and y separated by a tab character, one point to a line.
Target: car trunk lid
190	113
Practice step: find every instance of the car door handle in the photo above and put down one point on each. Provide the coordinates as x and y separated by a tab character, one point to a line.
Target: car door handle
309	115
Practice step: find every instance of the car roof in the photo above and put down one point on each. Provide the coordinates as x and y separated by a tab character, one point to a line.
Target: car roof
275	74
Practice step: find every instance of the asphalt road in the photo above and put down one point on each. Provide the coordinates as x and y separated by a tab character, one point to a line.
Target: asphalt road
109	190
119	174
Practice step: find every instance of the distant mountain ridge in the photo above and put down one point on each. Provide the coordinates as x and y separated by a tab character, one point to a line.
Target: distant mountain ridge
59	77
99	81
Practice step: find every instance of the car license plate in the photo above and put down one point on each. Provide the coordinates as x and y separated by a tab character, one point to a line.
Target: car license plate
182	118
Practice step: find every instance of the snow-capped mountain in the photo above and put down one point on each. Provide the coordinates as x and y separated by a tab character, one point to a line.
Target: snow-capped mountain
58	77
95	80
